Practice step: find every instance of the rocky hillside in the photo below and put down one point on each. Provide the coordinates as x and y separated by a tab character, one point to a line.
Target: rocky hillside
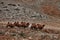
30	10
24	10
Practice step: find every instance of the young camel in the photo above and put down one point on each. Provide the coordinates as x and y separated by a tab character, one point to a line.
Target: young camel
37	26
10	25
40	26
24	24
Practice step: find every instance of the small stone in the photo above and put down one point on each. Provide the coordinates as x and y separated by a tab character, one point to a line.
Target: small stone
18	4
30	38
17	9
25	39
2	3
0	10
6	10
5	7
12	4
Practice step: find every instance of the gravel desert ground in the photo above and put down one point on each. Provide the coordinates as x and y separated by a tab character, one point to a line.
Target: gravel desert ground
33	11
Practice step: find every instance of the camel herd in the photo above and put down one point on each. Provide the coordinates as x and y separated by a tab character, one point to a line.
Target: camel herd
25	25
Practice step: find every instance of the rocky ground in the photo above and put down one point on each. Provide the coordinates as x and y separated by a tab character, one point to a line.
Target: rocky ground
37	11
27	34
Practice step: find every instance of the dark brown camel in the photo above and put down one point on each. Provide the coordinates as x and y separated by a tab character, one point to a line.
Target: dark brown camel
40	26
24	24
10	25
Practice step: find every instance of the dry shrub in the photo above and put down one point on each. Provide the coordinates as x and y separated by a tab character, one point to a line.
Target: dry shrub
51	10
